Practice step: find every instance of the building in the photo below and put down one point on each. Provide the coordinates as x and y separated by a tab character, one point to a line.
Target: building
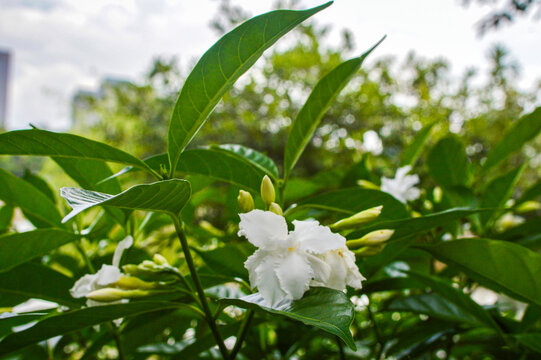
4	78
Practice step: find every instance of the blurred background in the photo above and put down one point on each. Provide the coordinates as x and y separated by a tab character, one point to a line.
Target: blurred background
111	70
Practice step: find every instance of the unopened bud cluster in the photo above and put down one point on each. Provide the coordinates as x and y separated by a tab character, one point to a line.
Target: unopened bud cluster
268	195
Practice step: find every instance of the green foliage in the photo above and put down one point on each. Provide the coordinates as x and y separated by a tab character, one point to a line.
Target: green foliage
186	285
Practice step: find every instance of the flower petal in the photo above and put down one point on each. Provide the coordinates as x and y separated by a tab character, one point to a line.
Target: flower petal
268	283
321	270
108	274
294	274
84	285
122	245
264	229
316	238
252	263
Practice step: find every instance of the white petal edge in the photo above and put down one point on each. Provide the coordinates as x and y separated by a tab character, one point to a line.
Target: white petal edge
263	229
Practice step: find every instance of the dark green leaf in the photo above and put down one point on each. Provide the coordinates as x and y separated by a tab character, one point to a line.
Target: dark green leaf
524	130
89	174
327	309
309	116
532	193
228	260
448	163
39	184
46	143
498	191
353	200
168	196
532	341
413	151
17	192
18	248
220	67
6	215
68	322
256	158
8	321
531	316
33	280
500	265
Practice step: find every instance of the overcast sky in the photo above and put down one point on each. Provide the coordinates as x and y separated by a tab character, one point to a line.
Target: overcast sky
60	46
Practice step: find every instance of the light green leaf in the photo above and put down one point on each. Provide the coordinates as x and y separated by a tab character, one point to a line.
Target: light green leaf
17	192
18	248
500	265
167	196
413	151
33	280
532	193
68	322
524	130
353	200
220	67
46	143
448	163
498	191
256	158
39	184
6	215
309	116
327	309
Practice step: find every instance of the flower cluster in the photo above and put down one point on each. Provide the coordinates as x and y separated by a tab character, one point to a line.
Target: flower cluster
402	187
287	263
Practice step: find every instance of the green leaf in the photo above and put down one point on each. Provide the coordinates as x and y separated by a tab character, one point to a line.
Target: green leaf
228	260
6	215
433	305
413	151
532	193
524	130
9	321
68	322
220	67
90	174
46	143
531	340
255	158
17	192
448	163
167	196
498	191
39	184
18	248
458	298
353	200
33	280
327	309
321	97
500	265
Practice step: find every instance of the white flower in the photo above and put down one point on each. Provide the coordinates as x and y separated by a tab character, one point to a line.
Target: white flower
402	187
286	263
108	274
344	271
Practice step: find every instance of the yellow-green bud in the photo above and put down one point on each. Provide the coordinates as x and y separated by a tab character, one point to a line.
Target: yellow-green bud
374	239
367	184
131	282
275	208
528	206
267	191
369	250
245	201
437	193
111	294
160	260
358	219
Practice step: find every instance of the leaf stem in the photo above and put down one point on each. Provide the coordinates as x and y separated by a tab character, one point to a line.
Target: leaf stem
340	348
200	292
243	331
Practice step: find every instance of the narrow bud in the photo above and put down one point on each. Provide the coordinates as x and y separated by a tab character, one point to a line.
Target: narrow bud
275	208
528	206
437	193
369	250
267	191
160	260
358	219
111	294
131	282
245	201
367	184
374	238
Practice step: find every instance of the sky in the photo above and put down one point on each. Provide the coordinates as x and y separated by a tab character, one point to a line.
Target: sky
61	46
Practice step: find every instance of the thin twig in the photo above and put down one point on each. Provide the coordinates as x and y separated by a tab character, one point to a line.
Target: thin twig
243	331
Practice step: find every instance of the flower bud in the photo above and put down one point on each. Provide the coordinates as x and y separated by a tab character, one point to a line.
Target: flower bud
528	206
369	250
275	208
111	294
437	193
358	219
160	260
131	282
374	238
367	184
267	191
245	201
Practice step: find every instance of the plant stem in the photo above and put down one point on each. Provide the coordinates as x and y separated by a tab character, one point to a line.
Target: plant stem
340	348
118	341
376	332
199	288
243	331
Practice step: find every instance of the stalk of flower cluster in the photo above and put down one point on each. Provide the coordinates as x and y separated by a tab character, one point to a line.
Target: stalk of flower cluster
199	289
